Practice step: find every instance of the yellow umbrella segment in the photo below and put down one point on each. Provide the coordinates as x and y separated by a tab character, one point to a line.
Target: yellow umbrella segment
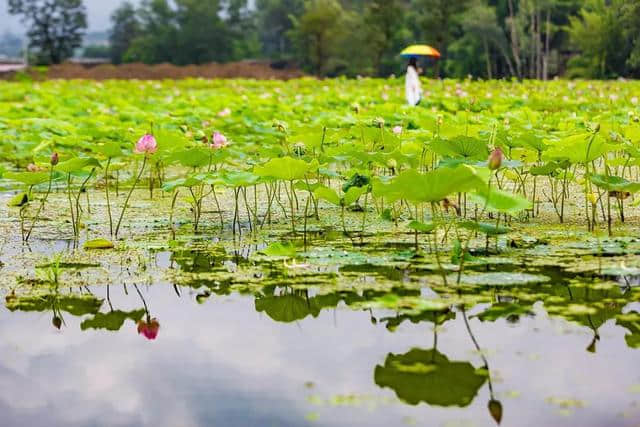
418	50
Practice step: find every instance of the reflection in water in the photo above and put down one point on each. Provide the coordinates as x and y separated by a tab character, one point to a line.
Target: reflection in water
429	376
396	305
148	327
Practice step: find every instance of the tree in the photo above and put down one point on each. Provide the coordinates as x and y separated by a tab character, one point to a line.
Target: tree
158	32
55	27
600	39
275	22
243	29
381	19
480	26
126	27
318	32
203	36
631	25
440	22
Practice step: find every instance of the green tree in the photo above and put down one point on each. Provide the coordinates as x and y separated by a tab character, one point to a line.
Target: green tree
483	38
55	27
600	38
319	32
125	28
243	28
158	33
440	22
631	25
275	22
382	20
203	36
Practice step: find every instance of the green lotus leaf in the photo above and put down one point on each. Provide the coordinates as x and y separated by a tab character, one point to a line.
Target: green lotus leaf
286	168
77	164
422	227
18	200
578	148
429	376
495	200
192	158
461	146
278	249
353	194
111	321
98	244
286	308
28	178
432	186
77	305
328	194
614	183
109	149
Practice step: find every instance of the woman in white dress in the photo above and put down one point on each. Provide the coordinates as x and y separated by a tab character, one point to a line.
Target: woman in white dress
413	87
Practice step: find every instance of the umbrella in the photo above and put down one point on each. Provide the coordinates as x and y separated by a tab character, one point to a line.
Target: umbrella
418	50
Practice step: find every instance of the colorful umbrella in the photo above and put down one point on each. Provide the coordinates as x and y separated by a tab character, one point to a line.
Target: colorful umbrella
418	50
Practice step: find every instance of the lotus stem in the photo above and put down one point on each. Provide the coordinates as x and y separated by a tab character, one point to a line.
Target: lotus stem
126	201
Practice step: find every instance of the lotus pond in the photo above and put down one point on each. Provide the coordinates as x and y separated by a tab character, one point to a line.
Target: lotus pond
316	253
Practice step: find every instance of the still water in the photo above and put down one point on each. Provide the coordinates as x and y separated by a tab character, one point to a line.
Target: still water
223	361
200	332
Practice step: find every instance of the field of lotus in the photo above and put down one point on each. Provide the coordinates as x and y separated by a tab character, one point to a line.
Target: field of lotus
487	237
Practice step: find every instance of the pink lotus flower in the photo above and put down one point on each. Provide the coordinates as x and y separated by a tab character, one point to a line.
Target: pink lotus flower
149	329
224	113
397	130
31	167
146	145
218	141
54	159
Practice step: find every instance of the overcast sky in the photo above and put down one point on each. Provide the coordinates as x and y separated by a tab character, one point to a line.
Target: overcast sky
98	12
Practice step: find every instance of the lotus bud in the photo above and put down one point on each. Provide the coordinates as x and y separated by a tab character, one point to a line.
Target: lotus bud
149	329
378	122
146	145
440	120
57	322
596	127
495	159
495	409
54	159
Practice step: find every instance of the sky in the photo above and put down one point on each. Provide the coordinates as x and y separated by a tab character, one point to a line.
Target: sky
99	12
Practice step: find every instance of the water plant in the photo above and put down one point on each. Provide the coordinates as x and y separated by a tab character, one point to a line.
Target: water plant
147	146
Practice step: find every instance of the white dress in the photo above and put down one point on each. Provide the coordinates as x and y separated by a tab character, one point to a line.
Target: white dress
413	87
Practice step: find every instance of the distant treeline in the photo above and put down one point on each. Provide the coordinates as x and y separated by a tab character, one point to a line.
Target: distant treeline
483	38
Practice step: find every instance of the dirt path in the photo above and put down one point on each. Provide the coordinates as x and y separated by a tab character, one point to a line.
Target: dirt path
245	69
